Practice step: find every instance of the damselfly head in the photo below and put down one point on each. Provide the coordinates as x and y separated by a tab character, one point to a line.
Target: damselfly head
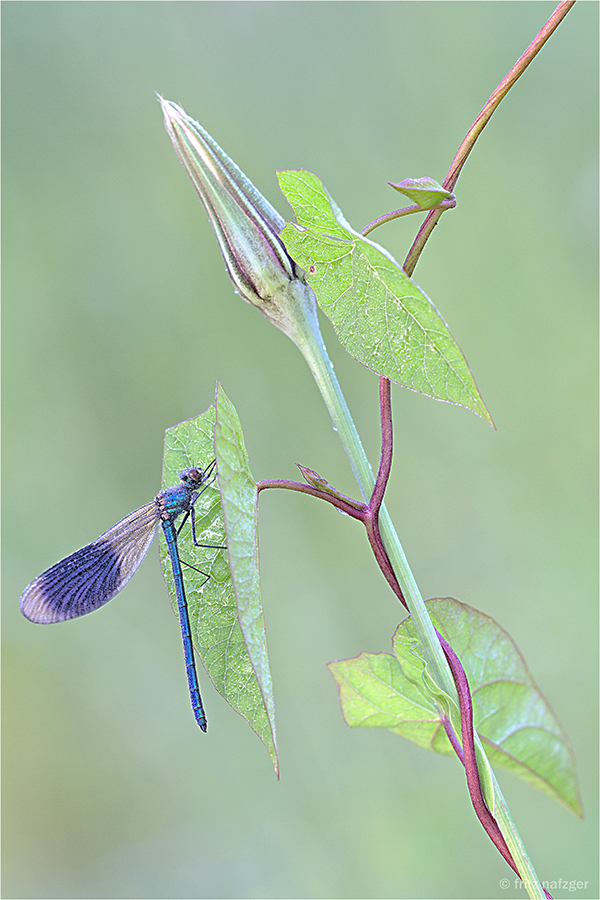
192	477
197	476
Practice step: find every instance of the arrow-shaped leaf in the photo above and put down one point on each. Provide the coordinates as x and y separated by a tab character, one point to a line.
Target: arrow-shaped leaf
516	724
382	318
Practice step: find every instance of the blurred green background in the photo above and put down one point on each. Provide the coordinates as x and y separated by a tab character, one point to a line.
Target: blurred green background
119	318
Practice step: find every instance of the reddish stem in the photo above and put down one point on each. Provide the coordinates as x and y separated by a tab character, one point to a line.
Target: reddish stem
368	513
405	211
371	520
387	446
345	504
468	756
479	124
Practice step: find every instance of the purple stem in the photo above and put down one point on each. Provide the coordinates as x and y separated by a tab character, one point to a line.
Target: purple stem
468	756
368	513
371	520
479	124
387	446
344	504
467	753
405	211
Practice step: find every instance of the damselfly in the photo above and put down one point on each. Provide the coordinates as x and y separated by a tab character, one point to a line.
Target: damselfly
92	576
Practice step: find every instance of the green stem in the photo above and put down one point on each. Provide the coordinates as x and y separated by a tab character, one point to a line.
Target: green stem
513	839
311	344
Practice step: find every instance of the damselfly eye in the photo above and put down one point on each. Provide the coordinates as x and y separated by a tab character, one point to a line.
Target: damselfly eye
192	476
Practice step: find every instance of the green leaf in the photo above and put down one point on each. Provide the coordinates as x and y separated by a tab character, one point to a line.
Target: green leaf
382	318
374	693
517	726
426	192
216	631
239	497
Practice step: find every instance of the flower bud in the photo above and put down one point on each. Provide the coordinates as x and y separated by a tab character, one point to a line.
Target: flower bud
246	225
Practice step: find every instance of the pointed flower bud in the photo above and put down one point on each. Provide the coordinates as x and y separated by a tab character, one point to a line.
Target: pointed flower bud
246	225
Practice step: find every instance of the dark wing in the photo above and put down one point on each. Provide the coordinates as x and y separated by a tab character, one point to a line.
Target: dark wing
93	575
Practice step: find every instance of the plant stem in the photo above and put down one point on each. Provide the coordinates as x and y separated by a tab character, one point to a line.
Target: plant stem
345	504
479	124
471	750
405	211
315	353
